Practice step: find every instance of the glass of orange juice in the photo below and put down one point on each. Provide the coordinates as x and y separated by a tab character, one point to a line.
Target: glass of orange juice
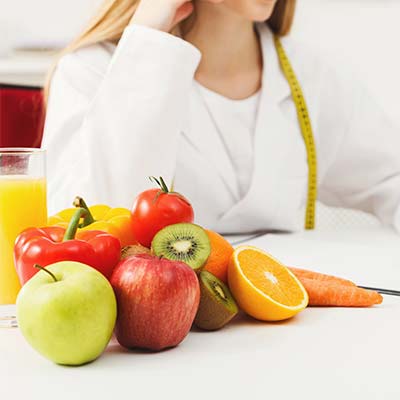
22	205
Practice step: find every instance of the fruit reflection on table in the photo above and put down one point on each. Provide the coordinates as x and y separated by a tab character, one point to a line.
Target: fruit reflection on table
151	274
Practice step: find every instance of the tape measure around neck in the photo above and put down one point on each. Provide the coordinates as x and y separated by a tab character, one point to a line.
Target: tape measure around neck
306	130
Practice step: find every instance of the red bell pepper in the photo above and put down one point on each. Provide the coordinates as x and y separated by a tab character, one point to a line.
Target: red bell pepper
45	246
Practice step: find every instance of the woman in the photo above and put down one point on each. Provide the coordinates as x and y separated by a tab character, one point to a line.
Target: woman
209	108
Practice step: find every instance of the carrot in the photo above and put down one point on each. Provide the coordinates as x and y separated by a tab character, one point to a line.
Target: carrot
304	273
327	293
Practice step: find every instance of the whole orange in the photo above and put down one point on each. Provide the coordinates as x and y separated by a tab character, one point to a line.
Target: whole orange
221	252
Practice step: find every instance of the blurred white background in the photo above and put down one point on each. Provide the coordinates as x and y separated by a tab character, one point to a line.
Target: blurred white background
345	30
356	35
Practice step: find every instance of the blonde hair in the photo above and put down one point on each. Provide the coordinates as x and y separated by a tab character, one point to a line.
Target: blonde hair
113	16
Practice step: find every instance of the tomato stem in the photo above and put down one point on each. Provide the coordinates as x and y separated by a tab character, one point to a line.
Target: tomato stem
161	183
164	186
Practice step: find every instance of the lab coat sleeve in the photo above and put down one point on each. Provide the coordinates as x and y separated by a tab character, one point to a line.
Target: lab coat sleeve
107	132
362	147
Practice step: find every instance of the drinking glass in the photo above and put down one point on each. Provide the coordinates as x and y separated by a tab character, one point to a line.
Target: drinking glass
22	205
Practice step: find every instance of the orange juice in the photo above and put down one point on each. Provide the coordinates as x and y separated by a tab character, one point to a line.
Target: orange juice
22	205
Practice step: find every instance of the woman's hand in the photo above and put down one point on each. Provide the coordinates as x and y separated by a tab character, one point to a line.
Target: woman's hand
162	14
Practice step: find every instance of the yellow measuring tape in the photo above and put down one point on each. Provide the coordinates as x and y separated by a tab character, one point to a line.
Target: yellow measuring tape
306	130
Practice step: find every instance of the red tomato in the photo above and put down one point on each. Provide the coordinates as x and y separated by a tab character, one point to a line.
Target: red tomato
155	209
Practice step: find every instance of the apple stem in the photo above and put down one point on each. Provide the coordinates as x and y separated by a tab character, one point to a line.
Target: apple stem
37	266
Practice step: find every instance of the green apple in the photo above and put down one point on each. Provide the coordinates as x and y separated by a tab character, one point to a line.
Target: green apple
67	312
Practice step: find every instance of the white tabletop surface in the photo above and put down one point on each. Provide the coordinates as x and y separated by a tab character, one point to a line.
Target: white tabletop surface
323	353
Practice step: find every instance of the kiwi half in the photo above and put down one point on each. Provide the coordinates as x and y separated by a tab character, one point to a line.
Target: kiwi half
217	305
183	242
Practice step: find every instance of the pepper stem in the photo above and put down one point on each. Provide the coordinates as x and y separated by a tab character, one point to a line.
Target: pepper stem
88	218
37	266
74	224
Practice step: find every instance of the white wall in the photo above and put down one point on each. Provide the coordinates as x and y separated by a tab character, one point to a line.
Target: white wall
361	36
358	34
44	22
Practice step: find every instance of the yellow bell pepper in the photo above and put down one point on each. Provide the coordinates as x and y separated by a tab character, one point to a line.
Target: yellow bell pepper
115	221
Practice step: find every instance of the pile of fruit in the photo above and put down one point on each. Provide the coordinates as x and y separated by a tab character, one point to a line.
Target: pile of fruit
149	275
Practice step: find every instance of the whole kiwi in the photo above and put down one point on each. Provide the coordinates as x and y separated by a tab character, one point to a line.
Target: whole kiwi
217	305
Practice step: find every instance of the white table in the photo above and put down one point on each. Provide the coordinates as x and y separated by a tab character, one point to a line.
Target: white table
320	354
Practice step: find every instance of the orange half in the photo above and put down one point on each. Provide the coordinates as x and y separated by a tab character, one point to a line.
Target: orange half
263	287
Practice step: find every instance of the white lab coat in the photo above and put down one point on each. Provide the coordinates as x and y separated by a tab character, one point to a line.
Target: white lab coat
120	114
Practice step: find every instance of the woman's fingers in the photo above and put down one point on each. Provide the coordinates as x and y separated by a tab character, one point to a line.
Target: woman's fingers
162	14
183	12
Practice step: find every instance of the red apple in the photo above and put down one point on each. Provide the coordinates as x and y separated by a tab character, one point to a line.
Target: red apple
157	301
